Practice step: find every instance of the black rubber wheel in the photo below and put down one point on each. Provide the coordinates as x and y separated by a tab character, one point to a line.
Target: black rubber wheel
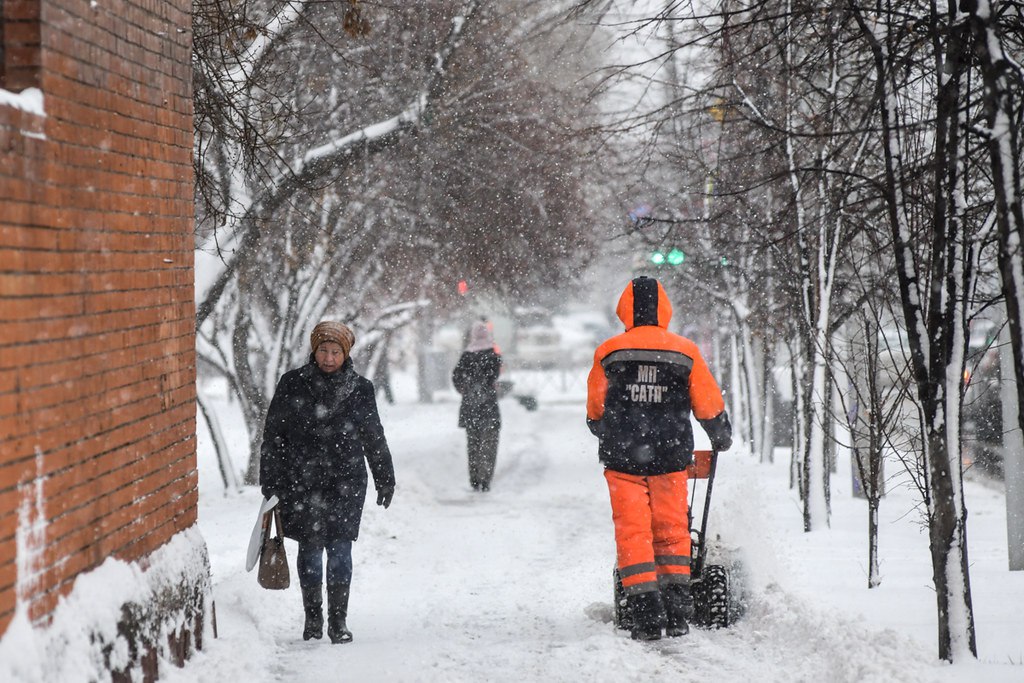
714	590
621	616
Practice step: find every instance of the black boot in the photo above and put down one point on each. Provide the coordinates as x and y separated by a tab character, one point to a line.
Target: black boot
648	615
678	609
337	612
312	605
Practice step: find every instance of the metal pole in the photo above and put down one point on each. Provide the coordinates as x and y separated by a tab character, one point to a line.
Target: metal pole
1013	454
702	552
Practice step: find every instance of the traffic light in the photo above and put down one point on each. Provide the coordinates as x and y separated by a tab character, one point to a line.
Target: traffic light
672	257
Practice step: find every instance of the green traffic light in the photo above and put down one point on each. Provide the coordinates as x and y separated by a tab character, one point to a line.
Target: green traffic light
657	258
676	257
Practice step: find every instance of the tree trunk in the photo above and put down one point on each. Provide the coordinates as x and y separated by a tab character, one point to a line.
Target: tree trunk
815	505
797	476
220	448
948	545
741	401
1003	112
424	333
768	396
874	574
752	390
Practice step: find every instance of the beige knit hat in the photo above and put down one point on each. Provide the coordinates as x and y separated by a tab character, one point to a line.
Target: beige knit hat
480	337
333	331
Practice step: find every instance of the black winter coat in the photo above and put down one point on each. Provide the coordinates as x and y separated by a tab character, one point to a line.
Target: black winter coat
321	430
474	377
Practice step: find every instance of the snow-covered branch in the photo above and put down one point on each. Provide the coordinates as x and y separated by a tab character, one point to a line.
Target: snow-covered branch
325	159
249	58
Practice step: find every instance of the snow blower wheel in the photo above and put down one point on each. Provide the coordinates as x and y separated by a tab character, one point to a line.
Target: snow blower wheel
711	598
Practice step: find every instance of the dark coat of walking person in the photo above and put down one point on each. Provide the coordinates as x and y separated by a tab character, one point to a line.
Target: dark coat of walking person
475	377
641	391
321	431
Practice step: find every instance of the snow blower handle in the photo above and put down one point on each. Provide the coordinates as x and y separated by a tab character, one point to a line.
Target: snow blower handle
702	549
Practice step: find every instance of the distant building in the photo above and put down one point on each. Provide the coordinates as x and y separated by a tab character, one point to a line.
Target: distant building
97	319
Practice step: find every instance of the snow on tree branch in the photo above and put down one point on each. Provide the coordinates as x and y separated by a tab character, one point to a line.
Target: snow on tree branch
322	160
250	57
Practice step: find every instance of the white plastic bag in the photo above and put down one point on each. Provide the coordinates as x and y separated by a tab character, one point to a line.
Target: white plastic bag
256	540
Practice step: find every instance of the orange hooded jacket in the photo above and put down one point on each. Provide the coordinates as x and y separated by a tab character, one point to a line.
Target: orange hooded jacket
643	386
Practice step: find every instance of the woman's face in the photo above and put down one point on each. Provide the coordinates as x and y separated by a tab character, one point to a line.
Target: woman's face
329	356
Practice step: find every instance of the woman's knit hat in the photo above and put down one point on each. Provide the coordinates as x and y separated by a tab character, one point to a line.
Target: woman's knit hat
332	331
480	337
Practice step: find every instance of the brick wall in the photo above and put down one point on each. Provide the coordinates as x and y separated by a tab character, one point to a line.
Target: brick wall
97	363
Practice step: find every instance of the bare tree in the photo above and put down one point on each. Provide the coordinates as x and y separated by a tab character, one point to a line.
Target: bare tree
356	161
932	293
848	119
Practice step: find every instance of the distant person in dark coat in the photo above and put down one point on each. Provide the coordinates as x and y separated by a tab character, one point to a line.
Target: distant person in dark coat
321	430
475	377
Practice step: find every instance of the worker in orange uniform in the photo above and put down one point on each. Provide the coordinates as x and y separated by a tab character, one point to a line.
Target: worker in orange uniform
641	390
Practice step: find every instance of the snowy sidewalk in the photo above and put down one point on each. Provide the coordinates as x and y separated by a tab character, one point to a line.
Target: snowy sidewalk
514	585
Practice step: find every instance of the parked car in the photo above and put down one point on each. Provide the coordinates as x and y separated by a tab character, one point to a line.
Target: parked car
539	347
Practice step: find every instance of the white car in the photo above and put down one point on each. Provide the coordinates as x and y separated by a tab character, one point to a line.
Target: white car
539	347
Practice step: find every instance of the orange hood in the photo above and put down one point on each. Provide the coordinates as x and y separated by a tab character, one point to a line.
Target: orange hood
644	302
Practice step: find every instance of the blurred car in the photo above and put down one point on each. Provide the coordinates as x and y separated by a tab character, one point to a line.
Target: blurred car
581	333
539	346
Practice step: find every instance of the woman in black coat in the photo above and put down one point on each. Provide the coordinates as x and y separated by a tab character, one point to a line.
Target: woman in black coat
475	377
321	430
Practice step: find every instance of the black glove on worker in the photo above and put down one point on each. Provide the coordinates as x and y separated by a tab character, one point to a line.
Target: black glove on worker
719	430
384	495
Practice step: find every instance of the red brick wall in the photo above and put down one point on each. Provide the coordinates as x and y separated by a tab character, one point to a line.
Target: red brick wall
97	362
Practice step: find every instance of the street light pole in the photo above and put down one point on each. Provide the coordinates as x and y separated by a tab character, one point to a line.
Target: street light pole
1013	454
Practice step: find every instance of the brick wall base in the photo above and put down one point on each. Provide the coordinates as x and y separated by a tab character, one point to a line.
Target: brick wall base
168	627
122	622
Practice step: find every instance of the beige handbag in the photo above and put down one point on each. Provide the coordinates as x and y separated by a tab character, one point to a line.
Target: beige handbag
273	572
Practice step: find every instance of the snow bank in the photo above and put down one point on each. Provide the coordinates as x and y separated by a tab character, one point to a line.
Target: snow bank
86	639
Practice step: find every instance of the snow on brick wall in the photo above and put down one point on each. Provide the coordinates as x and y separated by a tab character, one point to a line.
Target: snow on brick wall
97	363
107	629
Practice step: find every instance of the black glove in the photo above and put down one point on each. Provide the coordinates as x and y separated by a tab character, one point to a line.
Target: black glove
384	495
268	492
719	430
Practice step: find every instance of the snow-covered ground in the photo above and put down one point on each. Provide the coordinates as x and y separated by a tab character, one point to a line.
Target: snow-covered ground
514	585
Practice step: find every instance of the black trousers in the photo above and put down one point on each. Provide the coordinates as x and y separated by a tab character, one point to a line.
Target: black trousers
482	448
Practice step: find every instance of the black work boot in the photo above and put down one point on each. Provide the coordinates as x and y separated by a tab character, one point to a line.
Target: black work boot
648	615
337	612
312	605
678	609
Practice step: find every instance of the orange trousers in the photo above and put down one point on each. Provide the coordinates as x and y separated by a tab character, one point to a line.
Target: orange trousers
652	534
